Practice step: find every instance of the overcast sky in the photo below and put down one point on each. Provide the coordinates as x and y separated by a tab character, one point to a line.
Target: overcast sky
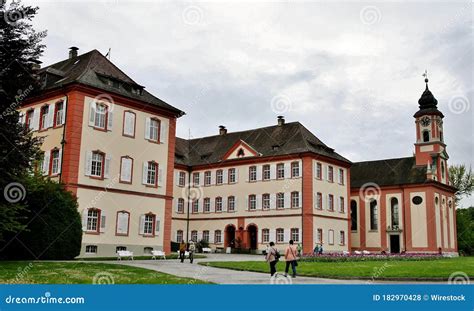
350	71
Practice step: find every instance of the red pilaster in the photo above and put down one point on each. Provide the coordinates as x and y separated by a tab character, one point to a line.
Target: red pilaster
307	212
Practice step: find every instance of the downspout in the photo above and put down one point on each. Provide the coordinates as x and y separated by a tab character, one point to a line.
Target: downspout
188	195
63	140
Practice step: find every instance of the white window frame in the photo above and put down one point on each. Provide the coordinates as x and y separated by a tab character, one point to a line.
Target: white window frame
231	203
252	202
97	164
280	171
93	220
218	204
295	234
232	173
252	173
149	224
265	235
295	199
219	177
295	169
280	235
266	201
55	161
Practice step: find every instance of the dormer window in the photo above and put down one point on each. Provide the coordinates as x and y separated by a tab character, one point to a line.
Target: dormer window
241	153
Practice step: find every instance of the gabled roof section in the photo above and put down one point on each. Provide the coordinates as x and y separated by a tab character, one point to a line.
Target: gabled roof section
95	70
388	172
287	139
240	150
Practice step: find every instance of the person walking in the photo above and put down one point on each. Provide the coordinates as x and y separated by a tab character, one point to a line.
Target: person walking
191	250
290	258
272	258
182	250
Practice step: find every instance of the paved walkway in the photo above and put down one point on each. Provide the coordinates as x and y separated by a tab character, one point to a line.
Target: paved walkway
227	276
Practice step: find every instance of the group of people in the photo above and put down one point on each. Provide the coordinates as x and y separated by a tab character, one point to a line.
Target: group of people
292	254
190	247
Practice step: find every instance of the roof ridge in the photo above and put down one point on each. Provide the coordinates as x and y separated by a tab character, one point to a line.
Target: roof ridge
380	160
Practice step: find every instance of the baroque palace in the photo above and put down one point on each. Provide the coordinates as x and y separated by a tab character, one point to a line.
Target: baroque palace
140	187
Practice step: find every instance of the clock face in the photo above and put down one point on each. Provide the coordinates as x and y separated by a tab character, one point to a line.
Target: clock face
425	121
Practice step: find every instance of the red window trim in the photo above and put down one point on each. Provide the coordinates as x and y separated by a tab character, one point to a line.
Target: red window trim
319	195
210	179
228	175
222	172
215	205
341	200
27	118
322	235
134	124
228	200
343	176
99	217
291	199
40	127
250	167
56	113
331	206
344	237
263	172
50	171
332	175
157	141
178	212
320	165
220	234
106	123
291	169
248	198
101	177
182	235
179	179
276	236
148	235
276	167
131	171
128	224
155	185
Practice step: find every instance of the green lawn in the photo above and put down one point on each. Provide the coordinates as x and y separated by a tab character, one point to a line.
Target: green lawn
441	268
169	256
37	272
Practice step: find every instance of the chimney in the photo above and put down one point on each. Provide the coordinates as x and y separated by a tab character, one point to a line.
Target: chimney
222	130
281	120
73	52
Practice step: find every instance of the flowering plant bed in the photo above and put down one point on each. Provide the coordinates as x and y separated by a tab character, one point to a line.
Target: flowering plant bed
328	257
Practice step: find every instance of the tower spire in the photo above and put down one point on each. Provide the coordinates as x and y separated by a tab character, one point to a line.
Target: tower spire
425	74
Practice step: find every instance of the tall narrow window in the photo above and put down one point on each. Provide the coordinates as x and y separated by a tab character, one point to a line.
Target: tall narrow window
394	212
319	171
207	205
330	174
205	236
44	117
280	235
218	204
194	236
129	124
265	235
97	164
126	165
341	205
93	220
295	199
217	236
59	114
231	204
196	179
280	171
331	202
219	177
426	136
252	202
122	224
180	205
295	234
353	215
182	179
319	235
319	200
331	237
373	215
29	119
149	224
266	172
196	206
342	237
266	201
252	173
152	174
232	177
207	178
55	161
179	236
280	200
442	169
100	118
341	176
154	129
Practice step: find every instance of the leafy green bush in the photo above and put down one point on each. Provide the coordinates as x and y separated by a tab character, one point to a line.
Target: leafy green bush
53	224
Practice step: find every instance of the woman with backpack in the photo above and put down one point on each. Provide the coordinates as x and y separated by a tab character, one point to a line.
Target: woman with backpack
272	258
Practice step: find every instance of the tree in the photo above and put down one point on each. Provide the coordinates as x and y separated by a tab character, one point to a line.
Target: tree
53	228
465	230
462	179
20	50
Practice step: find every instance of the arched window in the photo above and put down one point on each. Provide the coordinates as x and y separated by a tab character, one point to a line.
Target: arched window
426	136
394	212
373	215
353	215
441	136
442	169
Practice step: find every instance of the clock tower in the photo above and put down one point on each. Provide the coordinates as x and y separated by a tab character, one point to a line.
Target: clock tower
430	149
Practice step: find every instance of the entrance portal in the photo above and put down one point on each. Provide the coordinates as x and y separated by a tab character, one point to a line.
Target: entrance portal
395	243
253	238
230	236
